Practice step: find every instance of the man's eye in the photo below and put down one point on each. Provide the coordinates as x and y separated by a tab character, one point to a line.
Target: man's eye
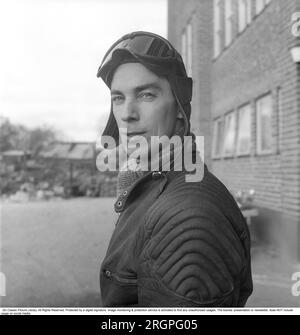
147	95
117	98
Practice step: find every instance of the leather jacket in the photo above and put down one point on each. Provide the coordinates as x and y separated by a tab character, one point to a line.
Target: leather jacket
177	244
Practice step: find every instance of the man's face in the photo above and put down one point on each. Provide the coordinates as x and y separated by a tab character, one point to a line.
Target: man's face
142	102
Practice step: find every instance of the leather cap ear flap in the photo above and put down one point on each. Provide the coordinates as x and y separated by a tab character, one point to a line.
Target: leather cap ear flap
183	86
111	128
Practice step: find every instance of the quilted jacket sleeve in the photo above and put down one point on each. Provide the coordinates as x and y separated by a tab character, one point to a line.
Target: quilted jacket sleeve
191	257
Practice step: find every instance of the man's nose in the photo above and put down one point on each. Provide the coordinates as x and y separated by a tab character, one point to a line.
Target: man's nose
130	111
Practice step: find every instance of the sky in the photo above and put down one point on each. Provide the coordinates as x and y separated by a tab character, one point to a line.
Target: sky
49	55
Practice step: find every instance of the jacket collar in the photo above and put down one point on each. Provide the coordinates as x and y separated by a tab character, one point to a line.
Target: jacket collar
164	176
123	198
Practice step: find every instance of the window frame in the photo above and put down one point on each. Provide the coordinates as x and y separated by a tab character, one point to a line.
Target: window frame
226	118
187	47
229	22
217	28
241	9
244	108
218	134
246	10
259	150
183	46
264	4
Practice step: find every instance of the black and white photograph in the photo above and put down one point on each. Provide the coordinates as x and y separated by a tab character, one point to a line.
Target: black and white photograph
149	155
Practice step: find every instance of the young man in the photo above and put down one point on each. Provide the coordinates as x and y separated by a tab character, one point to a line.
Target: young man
177	242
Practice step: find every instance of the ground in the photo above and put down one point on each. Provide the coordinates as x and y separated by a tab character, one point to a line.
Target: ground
51	253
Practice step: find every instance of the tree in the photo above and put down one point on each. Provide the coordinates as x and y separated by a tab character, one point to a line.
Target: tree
8	135
40	137
18	137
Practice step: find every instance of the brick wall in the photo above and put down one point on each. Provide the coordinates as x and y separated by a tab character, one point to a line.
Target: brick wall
199	13
257	62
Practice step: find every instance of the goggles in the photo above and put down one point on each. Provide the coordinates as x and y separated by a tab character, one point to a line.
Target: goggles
142	45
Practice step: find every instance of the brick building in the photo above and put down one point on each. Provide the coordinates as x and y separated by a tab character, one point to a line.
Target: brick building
246	102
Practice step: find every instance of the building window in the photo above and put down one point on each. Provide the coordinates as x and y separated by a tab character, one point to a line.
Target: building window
248	11
260	5
264	125
244	130
217	27
183	47
279	119
229	134
244	13
228	21
218	138
187	48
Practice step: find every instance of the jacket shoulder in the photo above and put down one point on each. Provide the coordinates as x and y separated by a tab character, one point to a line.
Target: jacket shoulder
191	247
206	199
